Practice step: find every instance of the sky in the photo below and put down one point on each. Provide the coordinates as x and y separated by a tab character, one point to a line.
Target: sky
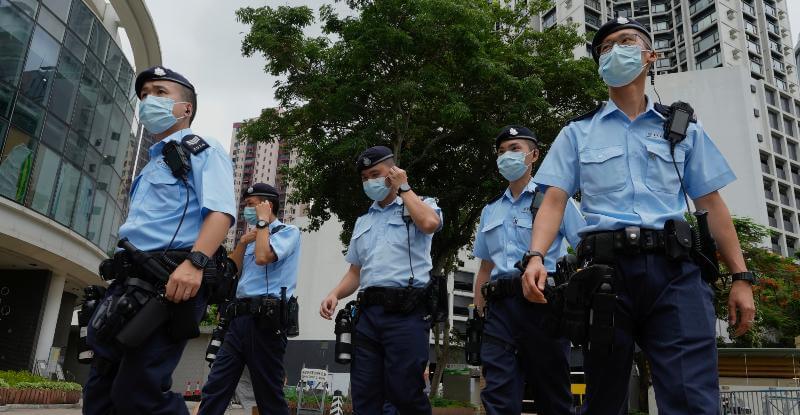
201	39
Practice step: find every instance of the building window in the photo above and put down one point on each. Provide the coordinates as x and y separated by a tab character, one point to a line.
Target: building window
549	19
791	147
786	104
787	222
777	144
791	249
770	95
780	168
788	126
783	192
768	190
796	176
771	216
765	164
774	121
661	44
776	244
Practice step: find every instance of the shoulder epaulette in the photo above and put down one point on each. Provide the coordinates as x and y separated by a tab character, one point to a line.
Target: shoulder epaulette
589	114
667	111
194	144
276	229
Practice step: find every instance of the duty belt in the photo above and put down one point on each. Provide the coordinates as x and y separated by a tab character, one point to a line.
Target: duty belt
122	267
502	288
605	246
252	306
383	295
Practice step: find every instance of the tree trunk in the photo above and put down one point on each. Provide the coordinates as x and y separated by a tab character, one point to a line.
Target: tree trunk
442	355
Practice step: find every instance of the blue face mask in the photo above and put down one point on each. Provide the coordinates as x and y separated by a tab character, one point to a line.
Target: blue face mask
250	215
156	113
512	164
376	188
621	66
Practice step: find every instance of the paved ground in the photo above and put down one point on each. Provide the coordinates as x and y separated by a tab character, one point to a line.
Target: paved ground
77	410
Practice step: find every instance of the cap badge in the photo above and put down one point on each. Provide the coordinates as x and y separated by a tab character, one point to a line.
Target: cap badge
159	71
250	189
623	20
366	161
513	131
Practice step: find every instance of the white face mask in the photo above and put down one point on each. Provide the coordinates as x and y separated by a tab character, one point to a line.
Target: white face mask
512	164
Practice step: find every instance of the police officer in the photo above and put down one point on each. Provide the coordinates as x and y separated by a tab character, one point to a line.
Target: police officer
514	344
192	213
627	173
268	257
390	264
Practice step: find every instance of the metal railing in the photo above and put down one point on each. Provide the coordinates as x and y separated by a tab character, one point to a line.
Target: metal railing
784	401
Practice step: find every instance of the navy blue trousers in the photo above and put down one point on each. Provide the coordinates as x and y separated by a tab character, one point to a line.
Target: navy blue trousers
516	350
262	351
137	381
389	362
667	309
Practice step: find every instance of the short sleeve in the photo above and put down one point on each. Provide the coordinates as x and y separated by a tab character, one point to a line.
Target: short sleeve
705	170
285	241
572	223
432	203
352	252
213	182
480	249
560	167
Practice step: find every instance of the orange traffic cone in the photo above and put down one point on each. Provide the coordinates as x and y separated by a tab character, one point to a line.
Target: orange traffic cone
188	393
197	391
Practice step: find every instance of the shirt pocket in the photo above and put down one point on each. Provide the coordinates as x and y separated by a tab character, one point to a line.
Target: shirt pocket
603	170
493	235
164	193
398	232
523	225
661	176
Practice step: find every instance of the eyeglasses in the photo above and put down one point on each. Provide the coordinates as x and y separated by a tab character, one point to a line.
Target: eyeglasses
627	39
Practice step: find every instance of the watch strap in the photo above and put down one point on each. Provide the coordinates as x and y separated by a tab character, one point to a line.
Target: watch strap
744	276
198	259
262	224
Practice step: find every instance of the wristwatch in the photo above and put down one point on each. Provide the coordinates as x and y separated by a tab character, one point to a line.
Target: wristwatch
198	259
403	188
530	254
745	276
261	224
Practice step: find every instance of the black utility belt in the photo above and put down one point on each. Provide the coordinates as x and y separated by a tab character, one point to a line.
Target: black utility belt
674	241
121	267
394	300
501	288
256	306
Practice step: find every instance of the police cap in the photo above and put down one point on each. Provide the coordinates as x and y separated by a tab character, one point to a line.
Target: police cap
372	156
515	132
160	73
612	26
262	190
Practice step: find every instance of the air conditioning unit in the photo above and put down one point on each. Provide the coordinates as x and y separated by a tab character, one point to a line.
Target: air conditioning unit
731	14
736	53
733	33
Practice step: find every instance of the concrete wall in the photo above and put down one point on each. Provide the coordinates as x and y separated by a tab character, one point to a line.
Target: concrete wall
724	105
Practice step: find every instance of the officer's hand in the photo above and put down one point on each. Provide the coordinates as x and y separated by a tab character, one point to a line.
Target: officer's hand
264	211
396	177
248	237
328	306
533	280
741	298
184	282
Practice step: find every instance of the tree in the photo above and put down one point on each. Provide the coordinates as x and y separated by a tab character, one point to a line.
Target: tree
434	80
777	294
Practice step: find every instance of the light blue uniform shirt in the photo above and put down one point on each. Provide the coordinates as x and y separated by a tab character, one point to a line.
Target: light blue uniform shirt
624	169
158	197
504	233
258	280
380	247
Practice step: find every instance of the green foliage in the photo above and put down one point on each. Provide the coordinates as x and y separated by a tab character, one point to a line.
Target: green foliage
437	402
434	80
777	295
27	380
211	318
